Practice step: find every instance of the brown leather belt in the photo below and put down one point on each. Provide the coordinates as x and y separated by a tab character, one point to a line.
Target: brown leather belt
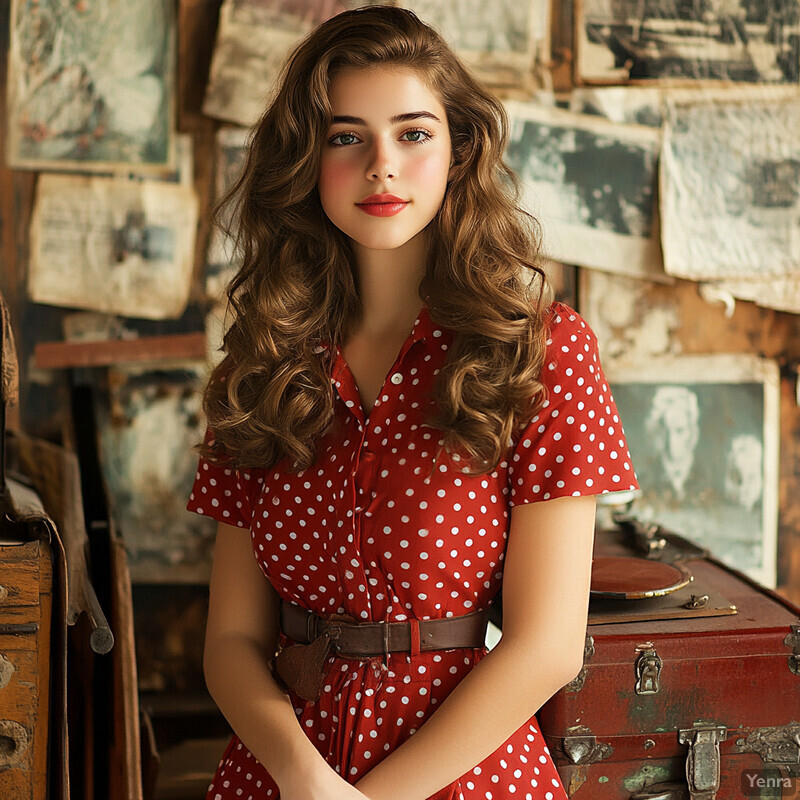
376	638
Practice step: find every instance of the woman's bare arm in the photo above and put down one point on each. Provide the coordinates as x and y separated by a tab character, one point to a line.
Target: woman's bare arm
241	636
545	602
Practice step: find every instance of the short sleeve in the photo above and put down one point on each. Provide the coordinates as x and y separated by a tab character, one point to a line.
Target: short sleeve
575	445
223	493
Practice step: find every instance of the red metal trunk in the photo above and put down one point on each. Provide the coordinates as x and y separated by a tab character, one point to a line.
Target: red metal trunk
696	707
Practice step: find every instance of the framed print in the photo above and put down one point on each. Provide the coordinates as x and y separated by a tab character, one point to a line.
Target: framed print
91	85
703	435
591	183
621	41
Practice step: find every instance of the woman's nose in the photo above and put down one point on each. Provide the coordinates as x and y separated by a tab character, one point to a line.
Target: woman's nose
381	163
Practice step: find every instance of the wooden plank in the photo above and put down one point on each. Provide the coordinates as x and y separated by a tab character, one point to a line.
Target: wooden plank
124	751
106	353
197	28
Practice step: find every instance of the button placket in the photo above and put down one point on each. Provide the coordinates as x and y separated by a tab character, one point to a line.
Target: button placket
364	470
364	480
353	561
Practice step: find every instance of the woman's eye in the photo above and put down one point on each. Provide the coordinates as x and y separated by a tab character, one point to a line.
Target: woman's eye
344	139
419	136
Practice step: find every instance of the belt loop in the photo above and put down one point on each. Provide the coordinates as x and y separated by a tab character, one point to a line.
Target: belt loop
414	630
385	627
311	628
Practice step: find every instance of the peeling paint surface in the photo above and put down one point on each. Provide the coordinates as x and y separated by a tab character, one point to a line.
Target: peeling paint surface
629	325
146	436
647	775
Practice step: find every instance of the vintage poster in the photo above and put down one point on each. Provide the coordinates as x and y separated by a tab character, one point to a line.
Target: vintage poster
112	245
91	85
724	40
500	40
149	475
253	40
221	261
591	184
730	185
703	432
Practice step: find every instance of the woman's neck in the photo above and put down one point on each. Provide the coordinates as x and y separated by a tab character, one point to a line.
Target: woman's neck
388	283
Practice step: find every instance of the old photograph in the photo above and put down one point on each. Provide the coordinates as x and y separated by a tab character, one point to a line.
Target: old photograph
253	40
91	86
112	245
591	183
499	40
730	186
703	435
715	40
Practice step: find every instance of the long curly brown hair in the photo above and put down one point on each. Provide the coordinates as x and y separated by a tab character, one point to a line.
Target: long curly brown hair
271	397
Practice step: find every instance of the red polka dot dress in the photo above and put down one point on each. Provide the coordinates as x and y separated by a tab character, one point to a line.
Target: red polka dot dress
378	531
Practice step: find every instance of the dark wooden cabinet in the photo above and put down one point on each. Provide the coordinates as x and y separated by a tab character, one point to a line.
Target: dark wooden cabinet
26	600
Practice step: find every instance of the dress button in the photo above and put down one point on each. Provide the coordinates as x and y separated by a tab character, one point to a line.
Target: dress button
397	378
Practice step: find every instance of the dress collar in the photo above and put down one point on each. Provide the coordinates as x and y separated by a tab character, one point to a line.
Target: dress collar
423	326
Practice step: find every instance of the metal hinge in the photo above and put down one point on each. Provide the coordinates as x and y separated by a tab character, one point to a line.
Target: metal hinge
703	760
779	746
648	669
576	684
581	746
792	641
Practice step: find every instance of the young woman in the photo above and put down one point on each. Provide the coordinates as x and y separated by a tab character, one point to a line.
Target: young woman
403	421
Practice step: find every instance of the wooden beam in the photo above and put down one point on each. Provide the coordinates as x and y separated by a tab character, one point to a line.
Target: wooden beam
61	355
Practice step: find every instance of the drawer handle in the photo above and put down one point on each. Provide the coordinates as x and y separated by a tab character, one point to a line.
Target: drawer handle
18	628
3	594
13	742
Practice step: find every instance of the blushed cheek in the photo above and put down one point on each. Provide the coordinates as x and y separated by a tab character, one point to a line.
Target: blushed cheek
333	177
428	176
432	171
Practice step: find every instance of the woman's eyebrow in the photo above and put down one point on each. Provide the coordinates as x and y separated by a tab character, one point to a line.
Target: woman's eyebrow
407	117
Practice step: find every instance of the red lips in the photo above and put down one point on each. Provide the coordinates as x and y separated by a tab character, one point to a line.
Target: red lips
381	198
382	205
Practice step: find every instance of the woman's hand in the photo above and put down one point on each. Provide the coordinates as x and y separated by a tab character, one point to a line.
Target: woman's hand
322	784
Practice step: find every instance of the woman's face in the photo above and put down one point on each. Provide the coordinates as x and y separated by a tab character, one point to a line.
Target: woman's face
385	158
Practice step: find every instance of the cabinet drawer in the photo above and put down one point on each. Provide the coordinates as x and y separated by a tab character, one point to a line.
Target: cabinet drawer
20	575
19	705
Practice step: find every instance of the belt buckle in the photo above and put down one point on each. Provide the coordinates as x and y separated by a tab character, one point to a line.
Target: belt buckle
334	630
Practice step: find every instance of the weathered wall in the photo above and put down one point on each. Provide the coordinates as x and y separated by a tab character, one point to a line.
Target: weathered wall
630	317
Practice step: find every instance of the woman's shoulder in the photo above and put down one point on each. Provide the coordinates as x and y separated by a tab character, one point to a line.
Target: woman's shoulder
567	330
572	355
559	314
